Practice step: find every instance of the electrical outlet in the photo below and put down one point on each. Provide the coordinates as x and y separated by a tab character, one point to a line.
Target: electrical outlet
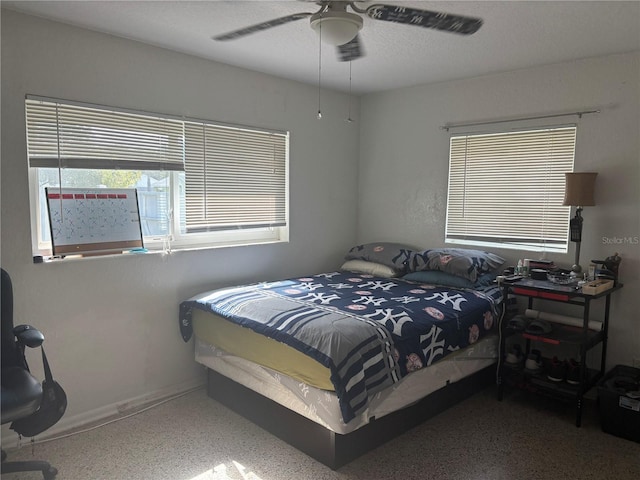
636	362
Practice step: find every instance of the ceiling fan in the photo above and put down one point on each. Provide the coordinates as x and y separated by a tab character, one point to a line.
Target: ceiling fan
339	27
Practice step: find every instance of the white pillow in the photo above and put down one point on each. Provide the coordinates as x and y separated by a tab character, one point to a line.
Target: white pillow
372	268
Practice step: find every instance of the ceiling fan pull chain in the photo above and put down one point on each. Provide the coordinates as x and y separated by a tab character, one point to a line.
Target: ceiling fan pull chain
319	68
349	119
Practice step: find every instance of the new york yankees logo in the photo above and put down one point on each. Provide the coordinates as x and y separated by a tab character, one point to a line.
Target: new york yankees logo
376	284
444	297
387	317
321	298
367	300
431	347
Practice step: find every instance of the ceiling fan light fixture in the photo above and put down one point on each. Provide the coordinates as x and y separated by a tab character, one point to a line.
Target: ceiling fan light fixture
338	28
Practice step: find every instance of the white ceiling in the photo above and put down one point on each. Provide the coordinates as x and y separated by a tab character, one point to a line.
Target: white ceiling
515	35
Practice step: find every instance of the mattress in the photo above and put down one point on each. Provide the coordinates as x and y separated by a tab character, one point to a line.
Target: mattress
244	342
322	406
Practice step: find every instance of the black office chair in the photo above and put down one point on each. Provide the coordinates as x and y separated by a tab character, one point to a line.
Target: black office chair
21	394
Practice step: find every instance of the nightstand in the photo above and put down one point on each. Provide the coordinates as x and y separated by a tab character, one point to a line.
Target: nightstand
580	336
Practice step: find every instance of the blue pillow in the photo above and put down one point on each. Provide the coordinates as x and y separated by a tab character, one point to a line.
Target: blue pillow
436	277
461	262
485	279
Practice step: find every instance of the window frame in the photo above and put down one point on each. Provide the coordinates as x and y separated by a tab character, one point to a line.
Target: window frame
550	199
175	239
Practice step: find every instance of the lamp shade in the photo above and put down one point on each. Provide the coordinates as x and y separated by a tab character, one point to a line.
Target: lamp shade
336	28
579	189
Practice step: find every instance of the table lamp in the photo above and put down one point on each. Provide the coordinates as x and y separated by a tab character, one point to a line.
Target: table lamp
578	192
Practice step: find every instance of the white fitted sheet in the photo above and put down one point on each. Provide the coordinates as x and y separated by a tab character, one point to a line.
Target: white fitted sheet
322	407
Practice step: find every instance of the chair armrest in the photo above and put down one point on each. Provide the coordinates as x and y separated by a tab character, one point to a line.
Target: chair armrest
29	336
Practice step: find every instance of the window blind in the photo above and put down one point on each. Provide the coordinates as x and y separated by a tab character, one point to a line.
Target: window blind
234	177
69	135
508	188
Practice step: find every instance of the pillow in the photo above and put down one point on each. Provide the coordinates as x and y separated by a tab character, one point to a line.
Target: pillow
435	277
485	279
372	268
462	262
394	255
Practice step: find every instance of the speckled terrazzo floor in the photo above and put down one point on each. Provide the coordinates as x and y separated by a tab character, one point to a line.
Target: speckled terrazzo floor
195	438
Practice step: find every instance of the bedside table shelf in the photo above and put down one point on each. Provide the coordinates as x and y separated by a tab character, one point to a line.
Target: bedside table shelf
565	334
539	383
563	388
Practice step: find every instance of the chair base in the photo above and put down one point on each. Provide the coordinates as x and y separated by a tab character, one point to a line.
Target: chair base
48	472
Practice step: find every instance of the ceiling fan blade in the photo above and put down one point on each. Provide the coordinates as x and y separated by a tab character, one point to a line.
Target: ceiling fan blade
350	50
261	26
425	18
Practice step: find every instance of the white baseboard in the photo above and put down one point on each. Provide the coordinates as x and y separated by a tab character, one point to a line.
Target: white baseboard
67	424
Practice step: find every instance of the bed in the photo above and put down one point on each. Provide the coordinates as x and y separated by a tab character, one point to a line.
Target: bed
339	362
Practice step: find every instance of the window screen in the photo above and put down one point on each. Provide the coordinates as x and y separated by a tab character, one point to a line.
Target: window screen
234	178
70	135
506	189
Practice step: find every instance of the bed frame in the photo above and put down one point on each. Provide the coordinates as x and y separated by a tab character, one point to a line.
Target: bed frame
330	448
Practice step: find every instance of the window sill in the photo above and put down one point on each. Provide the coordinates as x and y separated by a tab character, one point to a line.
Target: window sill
151	250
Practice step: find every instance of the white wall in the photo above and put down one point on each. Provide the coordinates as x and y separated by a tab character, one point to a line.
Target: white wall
404	162
111	324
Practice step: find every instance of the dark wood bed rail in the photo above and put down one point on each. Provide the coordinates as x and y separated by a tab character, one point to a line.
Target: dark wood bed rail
330	448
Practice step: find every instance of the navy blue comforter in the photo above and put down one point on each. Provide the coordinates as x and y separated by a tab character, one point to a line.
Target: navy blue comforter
369	331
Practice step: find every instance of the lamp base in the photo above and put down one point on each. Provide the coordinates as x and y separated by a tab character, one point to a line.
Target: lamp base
576	269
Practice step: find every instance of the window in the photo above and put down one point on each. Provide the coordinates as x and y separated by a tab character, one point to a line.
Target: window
506	189
199	183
